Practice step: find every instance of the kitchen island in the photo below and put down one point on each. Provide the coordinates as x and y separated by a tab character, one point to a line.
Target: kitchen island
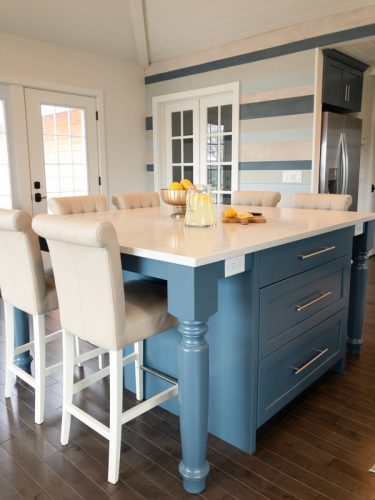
272	328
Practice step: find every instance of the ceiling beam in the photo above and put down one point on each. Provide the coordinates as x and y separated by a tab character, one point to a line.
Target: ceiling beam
139	27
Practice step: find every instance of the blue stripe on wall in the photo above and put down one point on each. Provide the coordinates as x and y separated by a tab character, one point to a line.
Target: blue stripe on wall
280	50
277	107
150	167
275	165
149	124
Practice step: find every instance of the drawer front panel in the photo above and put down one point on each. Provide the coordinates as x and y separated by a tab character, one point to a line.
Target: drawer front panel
287	260
291	369
309	297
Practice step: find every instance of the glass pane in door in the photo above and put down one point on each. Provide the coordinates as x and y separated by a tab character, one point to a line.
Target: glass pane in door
65	152
5	187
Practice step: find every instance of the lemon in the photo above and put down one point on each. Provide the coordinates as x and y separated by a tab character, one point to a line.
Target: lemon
176	186
230	213
185	183
243	215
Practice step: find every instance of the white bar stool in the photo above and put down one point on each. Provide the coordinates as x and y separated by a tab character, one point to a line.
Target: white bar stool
136	200
98	307
67	205
25	285
322	201
256	198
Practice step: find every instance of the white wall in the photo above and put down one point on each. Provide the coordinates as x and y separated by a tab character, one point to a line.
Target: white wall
122	83
366	199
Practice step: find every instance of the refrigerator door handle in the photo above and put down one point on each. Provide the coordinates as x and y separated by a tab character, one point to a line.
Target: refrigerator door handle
345	159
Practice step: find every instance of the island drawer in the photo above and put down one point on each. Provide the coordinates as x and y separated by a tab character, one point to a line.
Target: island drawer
289	307
291	369
284	261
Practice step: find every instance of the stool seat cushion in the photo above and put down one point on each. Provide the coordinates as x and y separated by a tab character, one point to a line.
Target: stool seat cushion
136	200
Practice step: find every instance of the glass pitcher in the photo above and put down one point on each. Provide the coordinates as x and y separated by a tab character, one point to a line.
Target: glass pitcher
199	209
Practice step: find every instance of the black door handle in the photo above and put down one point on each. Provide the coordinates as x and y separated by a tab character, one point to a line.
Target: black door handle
38	197
372	188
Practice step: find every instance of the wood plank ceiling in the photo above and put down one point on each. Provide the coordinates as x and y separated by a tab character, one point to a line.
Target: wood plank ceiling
174	28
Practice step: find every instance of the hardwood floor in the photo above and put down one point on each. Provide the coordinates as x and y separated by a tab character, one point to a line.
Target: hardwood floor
321	446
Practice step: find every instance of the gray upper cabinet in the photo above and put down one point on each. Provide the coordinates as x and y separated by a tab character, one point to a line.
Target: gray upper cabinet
342	81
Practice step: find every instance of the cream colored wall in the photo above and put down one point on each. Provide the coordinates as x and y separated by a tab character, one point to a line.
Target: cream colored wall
122	84
366	199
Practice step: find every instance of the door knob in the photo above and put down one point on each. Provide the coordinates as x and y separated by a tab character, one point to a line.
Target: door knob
38	197
372	188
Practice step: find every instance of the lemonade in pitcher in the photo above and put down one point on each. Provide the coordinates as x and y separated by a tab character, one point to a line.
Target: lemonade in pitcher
199	209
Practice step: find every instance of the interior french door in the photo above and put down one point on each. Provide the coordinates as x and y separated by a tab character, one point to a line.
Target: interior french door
201	143
63	145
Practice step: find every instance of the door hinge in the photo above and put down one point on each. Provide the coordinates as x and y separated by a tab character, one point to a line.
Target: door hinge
97	115
99	181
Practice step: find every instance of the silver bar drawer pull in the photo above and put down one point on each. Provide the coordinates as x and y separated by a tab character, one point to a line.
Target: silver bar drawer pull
323	295
317	252
300	369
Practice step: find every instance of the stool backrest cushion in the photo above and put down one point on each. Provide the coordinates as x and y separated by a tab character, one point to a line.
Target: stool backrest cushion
22	279
256	198
136	200
77	204
87	268
322	201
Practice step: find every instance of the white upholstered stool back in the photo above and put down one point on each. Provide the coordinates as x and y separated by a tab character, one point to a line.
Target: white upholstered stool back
78	204
87	268
136	200
23	281
322	201
256	198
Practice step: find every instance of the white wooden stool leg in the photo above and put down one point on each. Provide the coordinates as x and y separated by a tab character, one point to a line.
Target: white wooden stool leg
138	348
115	414
9	347
39	366
78	351
68	380
100	361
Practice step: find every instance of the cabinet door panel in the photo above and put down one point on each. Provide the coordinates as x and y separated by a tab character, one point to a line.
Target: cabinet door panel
333	91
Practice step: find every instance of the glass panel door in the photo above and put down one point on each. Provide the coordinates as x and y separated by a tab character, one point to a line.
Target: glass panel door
182	148
5	183
218	162
63	145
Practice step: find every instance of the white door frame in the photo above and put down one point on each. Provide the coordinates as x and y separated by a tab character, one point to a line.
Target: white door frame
158	105
21	187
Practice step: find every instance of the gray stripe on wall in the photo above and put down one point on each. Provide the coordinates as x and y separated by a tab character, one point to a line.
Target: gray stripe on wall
277	107
280	50
149	124
275	165
150	167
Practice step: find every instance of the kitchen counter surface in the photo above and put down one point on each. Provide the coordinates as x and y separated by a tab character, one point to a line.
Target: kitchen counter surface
152	233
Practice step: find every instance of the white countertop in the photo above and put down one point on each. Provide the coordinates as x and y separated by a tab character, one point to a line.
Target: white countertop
152	233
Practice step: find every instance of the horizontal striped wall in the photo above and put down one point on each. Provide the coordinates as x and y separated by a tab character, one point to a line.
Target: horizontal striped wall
276	117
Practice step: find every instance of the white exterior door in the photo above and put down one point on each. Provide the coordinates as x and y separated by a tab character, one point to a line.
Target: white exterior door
5	162
63	145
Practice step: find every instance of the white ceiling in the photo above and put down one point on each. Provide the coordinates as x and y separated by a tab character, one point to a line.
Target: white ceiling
363	50
173	27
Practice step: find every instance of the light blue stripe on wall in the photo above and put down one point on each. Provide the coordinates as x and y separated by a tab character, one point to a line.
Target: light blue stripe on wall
304	76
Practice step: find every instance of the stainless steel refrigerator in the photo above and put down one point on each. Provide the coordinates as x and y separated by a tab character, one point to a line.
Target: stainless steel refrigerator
340	155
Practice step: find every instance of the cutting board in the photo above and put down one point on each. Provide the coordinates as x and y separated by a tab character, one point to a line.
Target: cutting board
252	220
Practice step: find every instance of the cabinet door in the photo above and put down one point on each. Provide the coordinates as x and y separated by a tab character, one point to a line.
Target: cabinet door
353	89
333	90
